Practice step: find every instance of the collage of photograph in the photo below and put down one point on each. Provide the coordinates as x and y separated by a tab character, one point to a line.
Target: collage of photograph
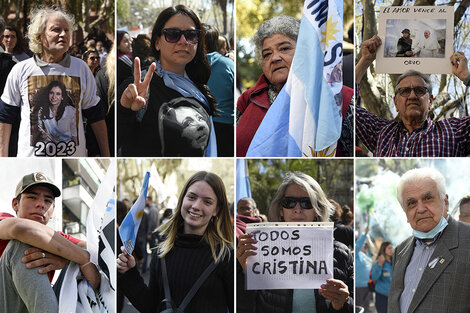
234	156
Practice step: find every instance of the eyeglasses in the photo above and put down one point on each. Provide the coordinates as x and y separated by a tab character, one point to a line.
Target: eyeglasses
406	91
172	35
291	202
94	58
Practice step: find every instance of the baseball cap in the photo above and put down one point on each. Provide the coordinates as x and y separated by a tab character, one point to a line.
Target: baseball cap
406	30
36	178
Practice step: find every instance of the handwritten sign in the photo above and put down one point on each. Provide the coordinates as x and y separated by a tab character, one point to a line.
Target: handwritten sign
415	38
290	256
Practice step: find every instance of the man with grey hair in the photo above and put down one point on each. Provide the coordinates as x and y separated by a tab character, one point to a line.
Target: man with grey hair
464	206
430	268
414	134
246	206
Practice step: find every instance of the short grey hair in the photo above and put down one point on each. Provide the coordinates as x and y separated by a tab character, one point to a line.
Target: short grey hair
323	208
282	24
38	22
249	200
419	174
425	77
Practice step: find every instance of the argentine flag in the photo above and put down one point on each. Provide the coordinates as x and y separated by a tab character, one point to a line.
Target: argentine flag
243	181
305	119
130	225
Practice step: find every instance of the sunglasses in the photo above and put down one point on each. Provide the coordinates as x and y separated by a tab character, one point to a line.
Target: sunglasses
406	91
94	58
291	202
172	35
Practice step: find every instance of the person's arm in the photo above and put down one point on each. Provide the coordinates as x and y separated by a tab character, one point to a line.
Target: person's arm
43	237
144	299
101	134
5	132
377	268
460	67
32	288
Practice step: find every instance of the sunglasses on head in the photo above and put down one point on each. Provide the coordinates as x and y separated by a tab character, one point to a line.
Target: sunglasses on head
173	35
291	202
406	91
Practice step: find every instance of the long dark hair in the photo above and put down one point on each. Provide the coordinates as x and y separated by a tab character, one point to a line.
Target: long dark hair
198	69
382	249
19	47
42	97
219	231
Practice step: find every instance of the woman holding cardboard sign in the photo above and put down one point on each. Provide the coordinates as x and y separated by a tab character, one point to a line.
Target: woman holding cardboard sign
298	199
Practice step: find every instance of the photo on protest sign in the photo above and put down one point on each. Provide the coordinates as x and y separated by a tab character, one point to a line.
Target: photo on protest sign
415	38
290	255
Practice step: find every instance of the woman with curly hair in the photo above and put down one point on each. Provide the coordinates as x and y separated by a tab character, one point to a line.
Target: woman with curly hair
199	235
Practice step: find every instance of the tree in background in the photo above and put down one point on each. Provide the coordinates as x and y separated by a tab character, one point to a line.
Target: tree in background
334	176
251	13
88	13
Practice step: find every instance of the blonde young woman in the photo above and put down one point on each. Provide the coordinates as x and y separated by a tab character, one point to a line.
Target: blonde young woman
198	234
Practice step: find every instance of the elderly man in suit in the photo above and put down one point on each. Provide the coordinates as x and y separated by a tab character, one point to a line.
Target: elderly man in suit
431	270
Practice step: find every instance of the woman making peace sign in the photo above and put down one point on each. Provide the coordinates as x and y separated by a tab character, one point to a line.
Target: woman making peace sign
169	114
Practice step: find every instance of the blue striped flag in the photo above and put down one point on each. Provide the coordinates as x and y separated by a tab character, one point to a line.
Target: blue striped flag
305	119
130	225
243	181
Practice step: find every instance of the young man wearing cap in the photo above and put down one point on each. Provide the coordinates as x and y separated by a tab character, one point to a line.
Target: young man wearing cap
24	288
404	44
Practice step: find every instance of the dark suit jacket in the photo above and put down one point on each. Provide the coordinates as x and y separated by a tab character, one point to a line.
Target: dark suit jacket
444	288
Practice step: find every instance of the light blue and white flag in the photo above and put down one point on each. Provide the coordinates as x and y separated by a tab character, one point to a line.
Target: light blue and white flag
243	181
76	295
305	119
130	225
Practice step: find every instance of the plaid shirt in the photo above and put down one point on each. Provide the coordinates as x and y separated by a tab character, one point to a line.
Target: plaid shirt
389	138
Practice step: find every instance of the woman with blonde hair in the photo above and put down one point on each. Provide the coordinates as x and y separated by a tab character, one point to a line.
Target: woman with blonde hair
198	236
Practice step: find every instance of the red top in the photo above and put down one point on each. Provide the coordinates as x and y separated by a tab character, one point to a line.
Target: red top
3	243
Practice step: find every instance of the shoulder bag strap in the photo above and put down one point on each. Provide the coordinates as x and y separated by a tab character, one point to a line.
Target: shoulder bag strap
166	286
196	287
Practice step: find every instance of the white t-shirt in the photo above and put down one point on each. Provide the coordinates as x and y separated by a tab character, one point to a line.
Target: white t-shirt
28	86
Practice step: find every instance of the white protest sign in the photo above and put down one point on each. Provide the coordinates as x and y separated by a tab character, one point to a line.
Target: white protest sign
290	256
415	38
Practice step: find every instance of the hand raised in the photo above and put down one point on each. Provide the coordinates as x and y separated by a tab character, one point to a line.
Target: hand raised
133	96
124	261
459	65
369	48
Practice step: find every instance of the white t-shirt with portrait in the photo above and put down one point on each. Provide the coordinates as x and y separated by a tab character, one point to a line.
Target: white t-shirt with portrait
24	83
